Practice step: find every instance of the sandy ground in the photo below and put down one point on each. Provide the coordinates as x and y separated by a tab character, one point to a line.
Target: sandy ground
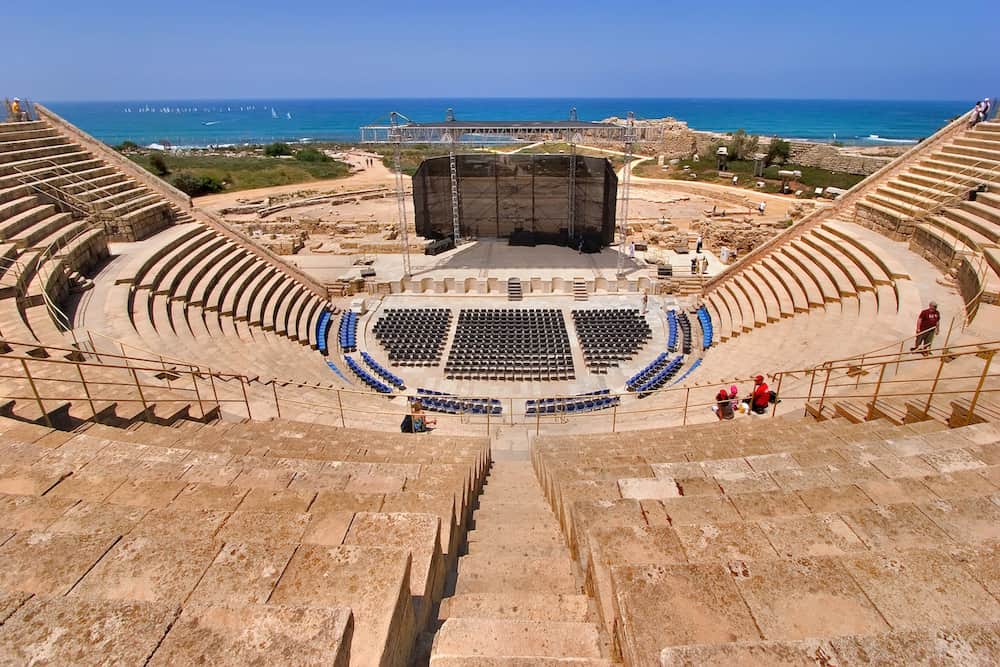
678	202
363	177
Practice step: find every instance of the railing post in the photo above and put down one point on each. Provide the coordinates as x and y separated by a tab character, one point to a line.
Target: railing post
93	345
614	417
812	381
211	381
777	394
86	390
340	407
489	412
197	394
878	387
979	388
687	397
124	356
826	383
538	419
34	390
277	406
861	370
511	407
937	376
246	400
138	387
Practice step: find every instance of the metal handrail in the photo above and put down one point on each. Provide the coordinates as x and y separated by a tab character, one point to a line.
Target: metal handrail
953	177
156	367
26	178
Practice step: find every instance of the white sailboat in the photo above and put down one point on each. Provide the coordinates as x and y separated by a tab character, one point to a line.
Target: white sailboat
273	113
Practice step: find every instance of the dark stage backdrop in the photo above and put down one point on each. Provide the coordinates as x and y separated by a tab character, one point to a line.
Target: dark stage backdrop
499	194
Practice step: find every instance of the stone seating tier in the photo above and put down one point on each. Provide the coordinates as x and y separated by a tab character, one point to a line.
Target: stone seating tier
213	540
730	540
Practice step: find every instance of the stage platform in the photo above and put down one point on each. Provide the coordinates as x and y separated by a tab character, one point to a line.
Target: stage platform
486	259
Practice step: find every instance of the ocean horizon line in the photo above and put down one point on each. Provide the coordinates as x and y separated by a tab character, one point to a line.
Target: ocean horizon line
514	98
200	123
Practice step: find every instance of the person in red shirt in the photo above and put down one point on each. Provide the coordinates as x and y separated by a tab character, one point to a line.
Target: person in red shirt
927	326
760	397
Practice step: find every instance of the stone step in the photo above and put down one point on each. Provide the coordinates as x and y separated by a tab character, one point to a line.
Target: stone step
514	535
515	639
548	550
516	661
495	573
517	605
537	515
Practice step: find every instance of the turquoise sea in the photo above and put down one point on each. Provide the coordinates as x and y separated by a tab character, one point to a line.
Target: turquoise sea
213	122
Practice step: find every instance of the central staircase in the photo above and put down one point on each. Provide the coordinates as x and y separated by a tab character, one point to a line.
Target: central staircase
517	598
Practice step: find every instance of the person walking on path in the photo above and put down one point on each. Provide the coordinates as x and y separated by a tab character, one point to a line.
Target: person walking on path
927	326
645	301
698	243
761	207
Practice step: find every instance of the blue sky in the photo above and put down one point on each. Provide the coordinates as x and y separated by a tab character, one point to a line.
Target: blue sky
879	49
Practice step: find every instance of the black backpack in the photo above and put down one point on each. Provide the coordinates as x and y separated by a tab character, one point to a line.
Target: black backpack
407	424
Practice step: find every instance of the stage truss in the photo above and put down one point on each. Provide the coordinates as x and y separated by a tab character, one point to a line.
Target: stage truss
402	131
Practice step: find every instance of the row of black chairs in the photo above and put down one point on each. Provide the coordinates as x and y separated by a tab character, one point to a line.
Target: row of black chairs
510	344
609	336
413	336
685	325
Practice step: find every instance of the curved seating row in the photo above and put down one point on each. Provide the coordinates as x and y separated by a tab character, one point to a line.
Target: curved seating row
671	330
945	205
347	332
756	529
833	263
323	330
685	326
439	401
367	377
36	158
661	377
386	375
651	369
589	402
173	538
707	333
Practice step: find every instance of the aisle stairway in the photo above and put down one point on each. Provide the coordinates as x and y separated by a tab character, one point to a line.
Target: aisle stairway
516	598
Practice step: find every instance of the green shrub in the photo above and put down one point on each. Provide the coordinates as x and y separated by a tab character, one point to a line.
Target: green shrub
778	152
311	155
127	146
196	186
158	165
277	149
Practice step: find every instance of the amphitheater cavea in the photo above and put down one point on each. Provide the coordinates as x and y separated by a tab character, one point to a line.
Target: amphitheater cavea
491	437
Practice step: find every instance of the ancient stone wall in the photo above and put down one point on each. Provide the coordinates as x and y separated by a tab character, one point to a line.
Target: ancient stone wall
835	158
734	234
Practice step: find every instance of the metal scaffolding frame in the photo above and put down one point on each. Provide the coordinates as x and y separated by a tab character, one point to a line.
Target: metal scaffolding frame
401	130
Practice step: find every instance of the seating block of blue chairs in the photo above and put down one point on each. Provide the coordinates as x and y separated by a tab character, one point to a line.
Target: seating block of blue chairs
367	378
